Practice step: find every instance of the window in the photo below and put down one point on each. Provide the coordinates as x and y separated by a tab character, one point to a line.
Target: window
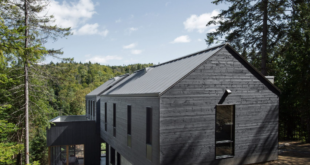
112	160
114	120
129	125
149	126
118	159
66	154
94	110
90	110
149	133
87	108
103	149
224	131
105	116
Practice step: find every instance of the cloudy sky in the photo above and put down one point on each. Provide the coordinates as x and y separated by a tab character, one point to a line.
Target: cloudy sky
120	32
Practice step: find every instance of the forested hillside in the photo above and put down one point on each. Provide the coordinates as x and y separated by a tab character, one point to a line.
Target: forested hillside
77	79
63	94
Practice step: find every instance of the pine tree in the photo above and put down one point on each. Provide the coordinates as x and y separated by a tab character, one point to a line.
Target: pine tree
253	27
294	75
38	30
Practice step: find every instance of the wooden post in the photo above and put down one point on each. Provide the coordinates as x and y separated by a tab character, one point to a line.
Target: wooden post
67	153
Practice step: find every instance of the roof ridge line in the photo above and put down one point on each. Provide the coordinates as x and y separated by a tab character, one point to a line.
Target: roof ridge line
192	54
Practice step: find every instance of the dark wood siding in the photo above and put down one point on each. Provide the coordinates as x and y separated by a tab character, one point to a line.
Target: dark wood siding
187	114
136	154
81	132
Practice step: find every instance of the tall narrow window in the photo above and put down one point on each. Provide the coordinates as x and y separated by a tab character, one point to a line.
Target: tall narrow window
114	120
90	109
94	110
105	117
112	160
87	108
149	133
129	125
224	131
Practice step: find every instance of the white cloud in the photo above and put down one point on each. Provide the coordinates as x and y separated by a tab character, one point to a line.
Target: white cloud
199	40
91	29
130	46
212	30
128	31
105	59
133	29
87	55
118	21
198	23
136	51
70	14
181	39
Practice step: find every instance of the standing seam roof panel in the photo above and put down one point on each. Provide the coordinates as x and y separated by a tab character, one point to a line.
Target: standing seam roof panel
160	77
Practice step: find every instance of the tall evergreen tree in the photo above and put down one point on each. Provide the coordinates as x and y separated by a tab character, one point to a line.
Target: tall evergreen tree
253	27
293	75
38	30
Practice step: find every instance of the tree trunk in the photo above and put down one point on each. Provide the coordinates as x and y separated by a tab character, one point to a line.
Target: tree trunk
18	158
26	89
265	32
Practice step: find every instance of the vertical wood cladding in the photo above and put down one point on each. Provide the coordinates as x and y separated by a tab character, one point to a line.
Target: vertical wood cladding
80	132
136	154
187	114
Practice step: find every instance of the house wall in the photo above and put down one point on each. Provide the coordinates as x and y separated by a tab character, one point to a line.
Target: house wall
187	114
80	132
137	153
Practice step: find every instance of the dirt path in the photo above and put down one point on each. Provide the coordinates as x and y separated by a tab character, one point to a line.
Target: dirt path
292	153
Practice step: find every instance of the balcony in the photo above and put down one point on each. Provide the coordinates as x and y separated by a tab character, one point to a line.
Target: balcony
69	118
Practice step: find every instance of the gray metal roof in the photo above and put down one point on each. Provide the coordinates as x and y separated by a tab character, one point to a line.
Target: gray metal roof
155	80
158	78
106	85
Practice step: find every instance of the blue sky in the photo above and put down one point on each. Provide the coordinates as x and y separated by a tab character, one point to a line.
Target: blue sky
117	32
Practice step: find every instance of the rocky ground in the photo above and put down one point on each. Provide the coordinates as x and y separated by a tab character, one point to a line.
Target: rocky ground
292	153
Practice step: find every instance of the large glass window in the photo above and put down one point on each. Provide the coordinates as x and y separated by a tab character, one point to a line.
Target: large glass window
67	154
224	131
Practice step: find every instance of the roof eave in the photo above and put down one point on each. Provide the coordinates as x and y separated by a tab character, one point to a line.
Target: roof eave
132	95
259	73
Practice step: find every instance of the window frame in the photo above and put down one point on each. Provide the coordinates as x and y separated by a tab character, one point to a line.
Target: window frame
225	141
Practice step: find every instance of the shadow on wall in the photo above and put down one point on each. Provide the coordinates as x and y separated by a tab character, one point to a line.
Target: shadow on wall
196	151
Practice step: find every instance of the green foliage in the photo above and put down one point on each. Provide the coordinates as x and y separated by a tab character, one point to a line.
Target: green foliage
293	76
242	26
38	149
7	148
79	79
